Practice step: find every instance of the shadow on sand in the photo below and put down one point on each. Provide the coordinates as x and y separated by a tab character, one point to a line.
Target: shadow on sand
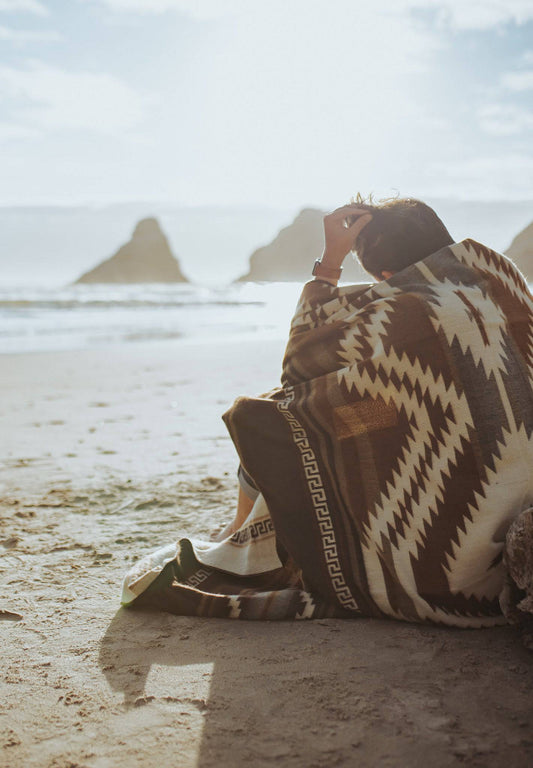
329	692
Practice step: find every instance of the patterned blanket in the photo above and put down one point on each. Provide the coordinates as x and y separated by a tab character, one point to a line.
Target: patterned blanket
391	462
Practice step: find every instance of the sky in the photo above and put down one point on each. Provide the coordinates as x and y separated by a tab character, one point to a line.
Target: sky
275	103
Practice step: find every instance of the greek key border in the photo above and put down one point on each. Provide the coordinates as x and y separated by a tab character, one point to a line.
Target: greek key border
259	529
320	505
197	577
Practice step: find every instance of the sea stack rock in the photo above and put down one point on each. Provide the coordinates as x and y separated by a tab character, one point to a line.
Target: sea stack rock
146	258
292	253
521	251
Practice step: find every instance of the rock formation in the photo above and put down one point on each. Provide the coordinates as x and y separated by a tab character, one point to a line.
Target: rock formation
521	251
146	258
292	253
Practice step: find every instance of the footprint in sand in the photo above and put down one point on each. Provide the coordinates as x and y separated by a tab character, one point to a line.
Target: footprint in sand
102	556
10	543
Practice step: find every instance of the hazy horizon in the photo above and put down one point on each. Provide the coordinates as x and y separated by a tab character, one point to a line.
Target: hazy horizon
55	244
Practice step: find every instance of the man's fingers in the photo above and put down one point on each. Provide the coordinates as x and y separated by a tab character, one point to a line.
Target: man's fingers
345	210
359	224
361	220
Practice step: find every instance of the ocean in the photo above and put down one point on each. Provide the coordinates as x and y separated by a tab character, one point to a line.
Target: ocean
92	316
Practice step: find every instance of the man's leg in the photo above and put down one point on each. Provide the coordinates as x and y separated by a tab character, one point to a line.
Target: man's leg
248	493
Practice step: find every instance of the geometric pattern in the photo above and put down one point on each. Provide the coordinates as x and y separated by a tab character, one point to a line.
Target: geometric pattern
198	577
253	531
320	506
392	461
409	408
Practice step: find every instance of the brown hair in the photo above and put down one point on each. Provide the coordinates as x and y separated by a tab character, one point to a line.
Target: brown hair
402	231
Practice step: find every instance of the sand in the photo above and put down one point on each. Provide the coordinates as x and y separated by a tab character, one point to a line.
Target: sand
106	454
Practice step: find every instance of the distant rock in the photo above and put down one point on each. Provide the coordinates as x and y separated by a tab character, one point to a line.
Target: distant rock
521	251
292	253
146	258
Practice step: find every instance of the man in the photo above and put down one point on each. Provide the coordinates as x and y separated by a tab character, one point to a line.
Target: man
409	231
391	462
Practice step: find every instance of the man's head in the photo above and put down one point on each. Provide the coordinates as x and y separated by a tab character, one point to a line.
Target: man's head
401	232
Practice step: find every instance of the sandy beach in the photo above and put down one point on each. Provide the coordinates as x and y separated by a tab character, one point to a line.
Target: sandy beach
105	454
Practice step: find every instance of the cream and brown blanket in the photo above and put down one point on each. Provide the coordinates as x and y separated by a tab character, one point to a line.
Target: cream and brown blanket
391	462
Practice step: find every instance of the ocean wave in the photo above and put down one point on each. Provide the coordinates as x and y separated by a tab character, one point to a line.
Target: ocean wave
120	303
78	317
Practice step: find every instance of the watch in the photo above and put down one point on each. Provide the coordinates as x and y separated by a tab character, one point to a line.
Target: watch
320	270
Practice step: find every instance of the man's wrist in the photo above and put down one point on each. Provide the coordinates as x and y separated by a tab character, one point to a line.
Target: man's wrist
332	260
326	274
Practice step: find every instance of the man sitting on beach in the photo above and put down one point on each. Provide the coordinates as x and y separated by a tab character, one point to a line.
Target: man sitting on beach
381	478
381	255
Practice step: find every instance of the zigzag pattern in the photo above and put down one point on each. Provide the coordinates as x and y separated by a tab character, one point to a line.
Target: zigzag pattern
448	344
395	457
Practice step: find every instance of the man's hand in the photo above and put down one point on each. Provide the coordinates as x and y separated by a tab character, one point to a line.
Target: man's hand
339	238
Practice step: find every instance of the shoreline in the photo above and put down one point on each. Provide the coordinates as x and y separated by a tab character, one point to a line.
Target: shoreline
122	315
164	342
78	413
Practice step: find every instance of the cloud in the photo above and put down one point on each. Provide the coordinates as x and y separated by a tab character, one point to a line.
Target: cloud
521	78
28	6
518	81
49	98
198	9
16	132
21	36
459	14
476	14
507	175
505	119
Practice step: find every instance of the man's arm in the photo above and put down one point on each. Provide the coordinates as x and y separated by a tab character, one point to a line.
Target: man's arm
339	240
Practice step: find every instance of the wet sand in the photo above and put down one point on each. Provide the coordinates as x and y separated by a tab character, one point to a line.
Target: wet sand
106	454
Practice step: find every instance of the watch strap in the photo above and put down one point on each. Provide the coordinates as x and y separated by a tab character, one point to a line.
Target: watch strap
320	270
